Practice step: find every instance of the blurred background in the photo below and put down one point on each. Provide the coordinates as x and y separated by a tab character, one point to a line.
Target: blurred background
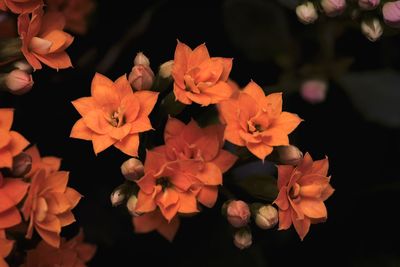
356	124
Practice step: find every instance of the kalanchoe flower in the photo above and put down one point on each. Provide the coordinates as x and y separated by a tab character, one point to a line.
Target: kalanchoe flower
200	78
333	8
19	82
20	6
238	213
48	205
257	121
368	4
11	142
5	248
266	217
302	192
132	169
113	115
243	238
43	39
306	13
391	13
372	29
314	91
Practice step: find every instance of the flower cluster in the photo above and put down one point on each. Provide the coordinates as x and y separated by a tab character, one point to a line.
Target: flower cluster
370	13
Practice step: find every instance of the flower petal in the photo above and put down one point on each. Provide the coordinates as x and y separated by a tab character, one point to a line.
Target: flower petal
260	150
102	142
6	118
313	208
81	131
208	196
224	160
84	104
129	145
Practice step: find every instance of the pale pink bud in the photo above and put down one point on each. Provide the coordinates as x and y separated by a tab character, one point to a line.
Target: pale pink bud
266	217
131	205
243	238
391	13
306	13
23	65
289	155
372	29
40	46
238	213
22	164
166	69
141	77
117	197
19	82
314	91
132	169
368	4
141	59
333	8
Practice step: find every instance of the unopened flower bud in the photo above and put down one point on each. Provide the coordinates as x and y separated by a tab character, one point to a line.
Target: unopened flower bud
40	46
166	69
372	29
238	213
314	91
333	8
266	217
141	59
117	197
243	238
22	164
368	4
141	77
23	65
289	155
132	169
306	13
131	205
18	82
391	13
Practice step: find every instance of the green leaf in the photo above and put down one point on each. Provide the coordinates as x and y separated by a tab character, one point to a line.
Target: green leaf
262	187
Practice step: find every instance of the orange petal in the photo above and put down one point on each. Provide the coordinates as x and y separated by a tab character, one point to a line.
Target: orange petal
145	202
147	100
320	167
260	150
313	208
273	104
52	21
50	237
5	247
57	202
285	219
181	95
181	181
102	142
73	196
181	58
287	122
302	226
129	145
56	181
170	212
173	128
232	135
15	189
282	200
210	174
306	164
130	106
96	121
169	229
81	131
275	137
17	143
255	91
142	125
56	61
208	196
5	158
9	218
198	55
218	92
6	118
227	65
6	202
119	133
224	160
57	38
104	92
147	222
327	192
52	163
187	203
167	198
66	218
154	161
84	104
202	99
284	174
123	87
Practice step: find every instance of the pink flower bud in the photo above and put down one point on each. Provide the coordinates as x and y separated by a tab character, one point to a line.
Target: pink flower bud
266	217
166	69
372	29
117	197
141	59
289	155
243	238
314	91
19	82
131	205
141	77
333	8
368	4
22	164
391	13
306	13
238	213
40	46
23	65
132	169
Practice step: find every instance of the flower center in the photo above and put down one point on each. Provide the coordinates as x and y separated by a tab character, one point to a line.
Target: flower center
164	182
254	127
116	119
294	191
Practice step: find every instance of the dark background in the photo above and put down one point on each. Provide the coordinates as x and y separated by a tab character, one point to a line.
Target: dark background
362	229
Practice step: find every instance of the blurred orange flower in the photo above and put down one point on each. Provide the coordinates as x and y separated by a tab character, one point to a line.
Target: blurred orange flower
20	6
204	145
11	143
12	191
200	78
48	164
5	248
257	121
113	115
71	253
302	192
49	204
43	39
154	221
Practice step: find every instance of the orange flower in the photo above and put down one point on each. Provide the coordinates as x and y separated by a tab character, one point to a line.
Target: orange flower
204	145
113	115
166	185
71	253
20	6
48	164
302	192
151	221
11	143
257	121
5	248
49	204
199	78
43	39
12	191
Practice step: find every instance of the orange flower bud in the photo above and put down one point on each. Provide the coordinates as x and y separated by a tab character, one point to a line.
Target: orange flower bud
289	155
132	169
141	59
19	82
141	77
243	238
131	205
238	213
266	217
22	164
166	69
